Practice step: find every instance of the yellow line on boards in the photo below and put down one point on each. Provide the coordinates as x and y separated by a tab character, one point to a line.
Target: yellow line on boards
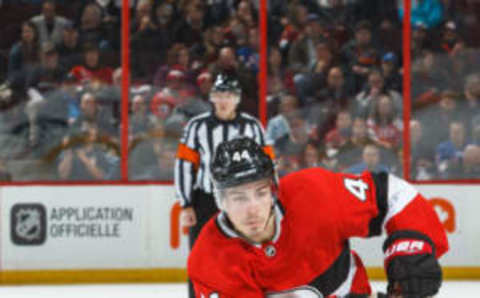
18	277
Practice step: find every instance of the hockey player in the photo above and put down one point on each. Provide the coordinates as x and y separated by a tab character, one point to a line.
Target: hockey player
197	146
291	239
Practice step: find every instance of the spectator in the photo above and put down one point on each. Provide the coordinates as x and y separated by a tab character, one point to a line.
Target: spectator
165	152
450	40
469	106
50	26
366	100
139	122
92	29
249	54
339	136
370	162
278	128
360	55
330	100
92	115
178	58
89	161
445	112
303	54
384	124
146	39
311	156
280	77
50	74
422	153
204	84
92	68
392	78
421	40
142	17
351	152
429	79
297	20
467	167
245	12
25	53
164	18
451	149
190	27
69	49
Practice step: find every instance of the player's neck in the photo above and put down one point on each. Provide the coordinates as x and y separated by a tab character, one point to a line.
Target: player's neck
268	232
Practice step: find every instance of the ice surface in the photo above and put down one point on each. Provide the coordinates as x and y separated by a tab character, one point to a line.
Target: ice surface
461	289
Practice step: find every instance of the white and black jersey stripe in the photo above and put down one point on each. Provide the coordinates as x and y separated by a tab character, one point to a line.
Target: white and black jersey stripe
200	138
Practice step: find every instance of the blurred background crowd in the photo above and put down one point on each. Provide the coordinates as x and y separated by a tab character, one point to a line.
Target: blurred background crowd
335	84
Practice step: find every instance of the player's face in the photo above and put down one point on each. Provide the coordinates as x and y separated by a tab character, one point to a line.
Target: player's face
225	104
248	207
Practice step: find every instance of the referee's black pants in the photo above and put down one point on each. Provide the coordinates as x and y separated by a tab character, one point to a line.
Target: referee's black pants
204	206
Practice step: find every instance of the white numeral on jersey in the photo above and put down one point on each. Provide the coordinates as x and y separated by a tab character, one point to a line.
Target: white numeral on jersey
357	187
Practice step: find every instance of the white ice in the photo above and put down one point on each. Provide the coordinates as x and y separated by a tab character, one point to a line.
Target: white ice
461	289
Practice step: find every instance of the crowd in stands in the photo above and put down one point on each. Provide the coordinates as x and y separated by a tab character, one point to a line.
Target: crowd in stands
336	87
335	84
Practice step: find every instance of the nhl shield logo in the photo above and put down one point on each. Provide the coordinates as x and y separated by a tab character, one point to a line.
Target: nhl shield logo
28	224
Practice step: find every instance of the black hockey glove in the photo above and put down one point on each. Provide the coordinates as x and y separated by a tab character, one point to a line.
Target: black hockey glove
411	266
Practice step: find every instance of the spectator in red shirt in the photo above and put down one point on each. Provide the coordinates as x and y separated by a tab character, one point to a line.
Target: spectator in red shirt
92	69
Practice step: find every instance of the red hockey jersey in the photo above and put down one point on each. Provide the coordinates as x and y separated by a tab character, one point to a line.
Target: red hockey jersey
309	255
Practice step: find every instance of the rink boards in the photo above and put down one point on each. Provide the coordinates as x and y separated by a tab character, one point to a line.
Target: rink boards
62	234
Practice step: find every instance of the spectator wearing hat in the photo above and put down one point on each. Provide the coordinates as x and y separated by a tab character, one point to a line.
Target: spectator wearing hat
360	55
392	78
50	26
421	40
204	84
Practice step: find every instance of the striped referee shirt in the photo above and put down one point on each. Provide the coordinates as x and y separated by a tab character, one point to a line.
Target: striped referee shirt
201	136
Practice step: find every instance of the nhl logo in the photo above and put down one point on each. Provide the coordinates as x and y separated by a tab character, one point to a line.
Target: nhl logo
270	251
28	224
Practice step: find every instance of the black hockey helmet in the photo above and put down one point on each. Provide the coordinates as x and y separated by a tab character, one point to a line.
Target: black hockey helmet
225	82
240	161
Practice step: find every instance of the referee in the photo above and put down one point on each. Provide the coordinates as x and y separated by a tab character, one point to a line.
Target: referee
197	146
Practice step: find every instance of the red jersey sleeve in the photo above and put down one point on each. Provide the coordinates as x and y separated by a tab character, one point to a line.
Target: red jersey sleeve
371	203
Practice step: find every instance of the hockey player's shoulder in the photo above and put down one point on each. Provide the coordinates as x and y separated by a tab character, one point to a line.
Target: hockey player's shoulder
306	175
213	249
